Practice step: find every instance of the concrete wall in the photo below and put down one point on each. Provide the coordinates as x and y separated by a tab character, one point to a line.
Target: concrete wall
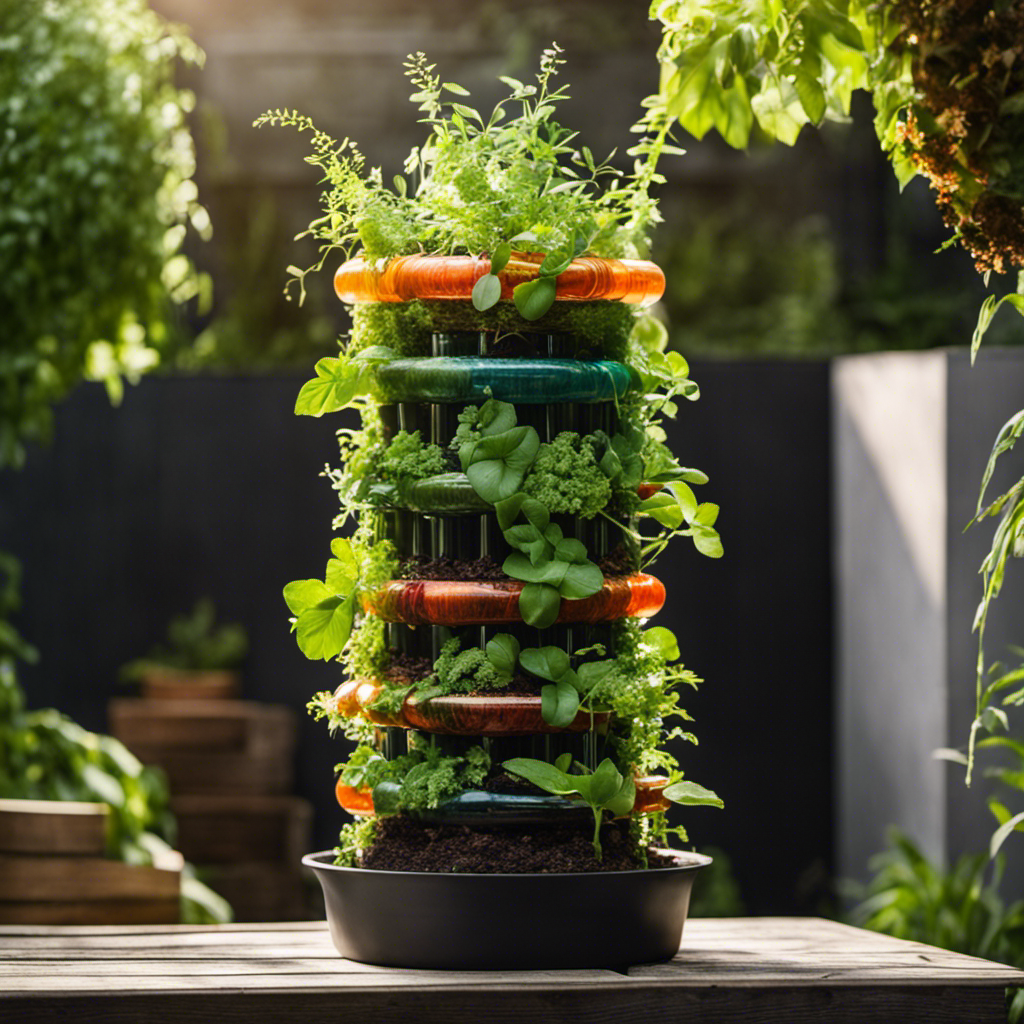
911	433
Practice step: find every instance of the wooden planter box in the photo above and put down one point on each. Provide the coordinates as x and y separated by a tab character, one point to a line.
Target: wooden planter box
264	892
210	747
53	870
236	829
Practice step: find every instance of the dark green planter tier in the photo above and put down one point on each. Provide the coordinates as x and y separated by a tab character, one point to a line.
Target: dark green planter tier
446	379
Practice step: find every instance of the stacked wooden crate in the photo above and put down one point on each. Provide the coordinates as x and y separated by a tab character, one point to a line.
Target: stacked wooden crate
229	767
53	870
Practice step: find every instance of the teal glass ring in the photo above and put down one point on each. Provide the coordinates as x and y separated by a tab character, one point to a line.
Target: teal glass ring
447	379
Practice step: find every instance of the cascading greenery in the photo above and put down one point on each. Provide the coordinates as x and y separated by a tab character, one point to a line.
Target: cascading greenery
947	81
488	186
96	170
97	166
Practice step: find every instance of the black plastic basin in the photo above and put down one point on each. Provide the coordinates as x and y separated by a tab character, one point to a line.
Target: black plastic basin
459	921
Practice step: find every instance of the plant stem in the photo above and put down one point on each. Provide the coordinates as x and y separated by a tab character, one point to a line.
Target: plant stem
598	812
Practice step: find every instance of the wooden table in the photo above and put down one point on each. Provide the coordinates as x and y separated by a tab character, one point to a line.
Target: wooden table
754	970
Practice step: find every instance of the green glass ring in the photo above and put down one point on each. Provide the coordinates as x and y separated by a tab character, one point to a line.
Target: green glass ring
443	379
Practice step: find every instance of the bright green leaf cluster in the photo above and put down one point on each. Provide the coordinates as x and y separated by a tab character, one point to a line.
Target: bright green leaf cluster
423	778
195	644
341	381
323	611
472	669
727	63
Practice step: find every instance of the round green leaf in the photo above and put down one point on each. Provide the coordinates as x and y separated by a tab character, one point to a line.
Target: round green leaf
534	298
663	641
500	257
503	652
707	541
539	604
559	703
486	292
691	795
302	594
323	630
581	581
547	662
604	783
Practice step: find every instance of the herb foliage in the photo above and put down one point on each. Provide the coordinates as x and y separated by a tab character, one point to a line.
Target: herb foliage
485	185
195	644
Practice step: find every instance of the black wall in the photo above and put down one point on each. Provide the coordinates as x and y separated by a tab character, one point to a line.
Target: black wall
210	486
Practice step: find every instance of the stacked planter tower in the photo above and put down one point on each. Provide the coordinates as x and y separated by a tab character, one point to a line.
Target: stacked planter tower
555	383
510	484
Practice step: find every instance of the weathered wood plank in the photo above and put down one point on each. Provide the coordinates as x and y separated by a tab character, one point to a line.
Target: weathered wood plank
199	724
53	826
554	1002
782	971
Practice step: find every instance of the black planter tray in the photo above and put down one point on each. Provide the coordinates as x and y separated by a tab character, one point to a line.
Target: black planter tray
480	921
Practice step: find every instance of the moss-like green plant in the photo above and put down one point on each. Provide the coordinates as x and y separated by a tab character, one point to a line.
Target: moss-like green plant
566	477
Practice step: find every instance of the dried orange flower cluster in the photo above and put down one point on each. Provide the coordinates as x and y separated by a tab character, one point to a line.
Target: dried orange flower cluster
966	133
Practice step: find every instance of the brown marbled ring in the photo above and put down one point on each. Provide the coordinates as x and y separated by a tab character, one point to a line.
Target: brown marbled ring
476	603
457	714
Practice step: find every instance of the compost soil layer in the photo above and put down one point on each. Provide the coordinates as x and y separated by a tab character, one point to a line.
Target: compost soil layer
422	567
403	844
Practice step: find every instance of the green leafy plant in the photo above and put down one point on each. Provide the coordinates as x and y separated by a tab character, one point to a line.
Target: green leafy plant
466	671
195	644
483	185
340	381
604	789
97	159
323	611
419	780
991	723
491	188
566	478
956	908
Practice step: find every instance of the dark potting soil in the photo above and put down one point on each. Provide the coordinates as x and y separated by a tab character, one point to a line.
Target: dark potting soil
422	567
404	844
618	562
408	668
505	783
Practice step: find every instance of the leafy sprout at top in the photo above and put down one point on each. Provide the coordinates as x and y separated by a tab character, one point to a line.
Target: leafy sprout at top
478	184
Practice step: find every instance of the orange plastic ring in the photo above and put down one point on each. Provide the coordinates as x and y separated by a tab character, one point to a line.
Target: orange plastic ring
358	802
467	603
586	279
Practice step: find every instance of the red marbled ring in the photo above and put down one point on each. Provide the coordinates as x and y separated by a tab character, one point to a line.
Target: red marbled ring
469	603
